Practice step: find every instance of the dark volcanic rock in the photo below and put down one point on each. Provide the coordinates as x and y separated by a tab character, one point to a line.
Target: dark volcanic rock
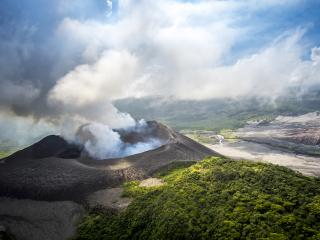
49	146
53	169
38	220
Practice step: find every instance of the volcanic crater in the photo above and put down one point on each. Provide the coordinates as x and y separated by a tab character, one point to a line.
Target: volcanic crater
53	169
50	183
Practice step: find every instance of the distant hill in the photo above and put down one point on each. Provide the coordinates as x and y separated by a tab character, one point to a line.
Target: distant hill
217	114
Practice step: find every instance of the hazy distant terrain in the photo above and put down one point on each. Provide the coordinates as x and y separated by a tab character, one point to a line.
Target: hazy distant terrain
284	131
290	141
217	114
307	165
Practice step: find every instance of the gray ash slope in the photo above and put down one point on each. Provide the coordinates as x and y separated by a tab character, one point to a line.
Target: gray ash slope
297	134
54	170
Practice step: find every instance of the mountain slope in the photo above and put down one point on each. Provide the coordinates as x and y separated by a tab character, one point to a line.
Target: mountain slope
216	199
53	169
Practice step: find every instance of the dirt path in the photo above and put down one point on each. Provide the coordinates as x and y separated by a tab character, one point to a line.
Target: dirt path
151	182
110	198
258	152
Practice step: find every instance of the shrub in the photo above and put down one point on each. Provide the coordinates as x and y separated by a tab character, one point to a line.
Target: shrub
217	199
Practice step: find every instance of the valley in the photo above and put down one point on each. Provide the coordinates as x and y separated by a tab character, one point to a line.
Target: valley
290	141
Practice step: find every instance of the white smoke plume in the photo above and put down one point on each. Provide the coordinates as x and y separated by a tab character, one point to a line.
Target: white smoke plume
101	142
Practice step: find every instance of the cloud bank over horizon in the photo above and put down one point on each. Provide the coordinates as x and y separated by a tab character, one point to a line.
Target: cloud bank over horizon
69	61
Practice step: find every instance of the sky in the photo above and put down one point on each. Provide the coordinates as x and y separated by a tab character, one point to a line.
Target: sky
63	62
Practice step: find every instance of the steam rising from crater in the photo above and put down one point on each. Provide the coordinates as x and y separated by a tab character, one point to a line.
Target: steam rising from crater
102	142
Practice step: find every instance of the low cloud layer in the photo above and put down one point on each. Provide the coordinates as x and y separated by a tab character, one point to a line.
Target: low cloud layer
70	61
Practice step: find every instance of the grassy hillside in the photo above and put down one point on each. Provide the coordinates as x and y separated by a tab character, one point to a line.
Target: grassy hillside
216	199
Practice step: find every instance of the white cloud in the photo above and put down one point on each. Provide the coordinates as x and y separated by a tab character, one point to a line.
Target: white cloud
19	131
176	49
170	48
266	73
87	91
315	55
109	7
106	79
18	93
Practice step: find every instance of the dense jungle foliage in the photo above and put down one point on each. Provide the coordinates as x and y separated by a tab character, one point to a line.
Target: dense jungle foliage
216	198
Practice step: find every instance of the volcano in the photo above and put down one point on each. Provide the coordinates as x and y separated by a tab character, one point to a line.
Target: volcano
45	187
53	169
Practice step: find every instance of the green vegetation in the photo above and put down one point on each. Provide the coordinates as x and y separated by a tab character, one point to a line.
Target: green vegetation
172	167
210	137
201	137
132	189
7	148
216	199
3	154
6	152
229	135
